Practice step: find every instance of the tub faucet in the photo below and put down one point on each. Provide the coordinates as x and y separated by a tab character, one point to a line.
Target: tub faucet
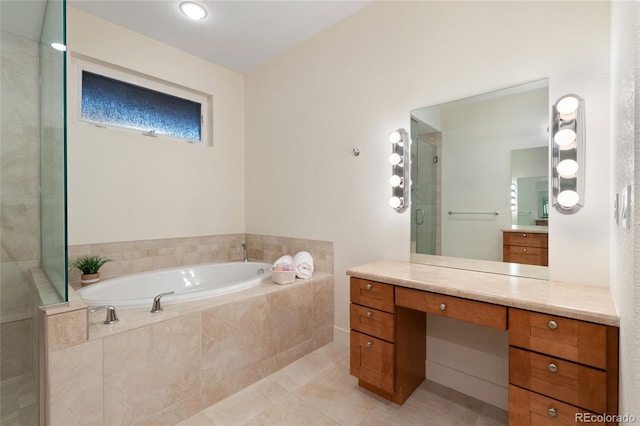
156	302
112	318
245	254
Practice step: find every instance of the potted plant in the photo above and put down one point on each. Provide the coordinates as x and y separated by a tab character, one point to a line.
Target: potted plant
89	267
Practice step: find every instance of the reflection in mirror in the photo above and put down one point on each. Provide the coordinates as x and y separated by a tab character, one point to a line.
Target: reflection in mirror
530	183
480	169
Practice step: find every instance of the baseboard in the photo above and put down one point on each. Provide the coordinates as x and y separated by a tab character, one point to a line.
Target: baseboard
475	387
340	335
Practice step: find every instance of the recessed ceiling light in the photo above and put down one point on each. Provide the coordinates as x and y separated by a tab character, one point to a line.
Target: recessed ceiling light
59	46
193	10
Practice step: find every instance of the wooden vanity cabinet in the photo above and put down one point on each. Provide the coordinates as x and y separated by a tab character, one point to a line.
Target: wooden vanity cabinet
530	248
388	343
561	370
560	367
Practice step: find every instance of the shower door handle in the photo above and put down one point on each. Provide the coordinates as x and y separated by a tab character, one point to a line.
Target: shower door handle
419	216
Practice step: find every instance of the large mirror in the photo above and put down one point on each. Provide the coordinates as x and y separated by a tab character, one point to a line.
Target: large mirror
479	172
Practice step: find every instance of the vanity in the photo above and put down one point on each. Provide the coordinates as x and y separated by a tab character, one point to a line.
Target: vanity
563	338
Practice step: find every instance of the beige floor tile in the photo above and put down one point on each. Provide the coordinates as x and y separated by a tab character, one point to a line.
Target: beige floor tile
447	402
411	413
291	412
309	367
336	394
246	404
198	420
318	390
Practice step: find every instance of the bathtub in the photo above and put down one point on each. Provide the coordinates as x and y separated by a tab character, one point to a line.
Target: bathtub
188	283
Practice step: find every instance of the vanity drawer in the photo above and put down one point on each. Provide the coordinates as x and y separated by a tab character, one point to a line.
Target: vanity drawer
526	239
570	339
526	255
480	313
566	381
372	361
531	409
373	294
372	321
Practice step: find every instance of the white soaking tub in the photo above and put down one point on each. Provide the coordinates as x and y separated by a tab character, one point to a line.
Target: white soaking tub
188	283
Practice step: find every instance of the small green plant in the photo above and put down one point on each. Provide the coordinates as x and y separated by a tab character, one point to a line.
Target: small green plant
89	264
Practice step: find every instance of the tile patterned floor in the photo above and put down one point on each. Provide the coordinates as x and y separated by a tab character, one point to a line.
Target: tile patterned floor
318	390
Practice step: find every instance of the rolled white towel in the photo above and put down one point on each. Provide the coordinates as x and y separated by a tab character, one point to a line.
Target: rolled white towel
284	260
303	262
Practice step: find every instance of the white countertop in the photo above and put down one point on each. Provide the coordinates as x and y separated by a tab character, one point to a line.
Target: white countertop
587	303
527	228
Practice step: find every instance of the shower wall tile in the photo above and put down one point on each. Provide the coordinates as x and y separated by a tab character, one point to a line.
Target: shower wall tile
19	160
151	368
19	191
15	293
20	225
15	348
75	385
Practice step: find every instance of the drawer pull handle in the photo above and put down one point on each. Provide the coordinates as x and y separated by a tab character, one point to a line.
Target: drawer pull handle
443	306
368	315
524	235
524	250
553	368
368	286
369	344
552	325
552	412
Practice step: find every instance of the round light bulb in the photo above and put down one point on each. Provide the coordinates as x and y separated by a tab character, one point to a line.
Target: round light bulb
395	181
395	159
395	137
567	105
395	202
193	10
564	137
568	198
567	168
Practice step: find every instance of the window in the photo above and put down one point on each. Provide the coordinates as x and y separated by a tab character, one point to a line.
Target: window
120	98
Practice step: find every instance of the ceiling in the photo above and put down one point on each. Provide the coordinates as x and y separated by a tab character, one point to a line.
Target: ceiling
239	34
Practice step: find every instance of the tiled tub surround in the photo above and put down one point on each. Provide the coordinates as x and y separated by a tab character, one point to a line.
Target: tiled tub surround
162	368
140	256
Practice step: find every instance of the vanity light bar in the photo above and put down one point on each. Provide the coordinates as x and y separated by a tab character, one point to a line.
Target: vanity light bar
400	160
568	154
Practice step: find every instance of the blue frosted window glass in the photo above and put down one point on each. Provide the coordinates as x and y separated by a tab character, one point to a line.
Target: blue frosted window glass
116	103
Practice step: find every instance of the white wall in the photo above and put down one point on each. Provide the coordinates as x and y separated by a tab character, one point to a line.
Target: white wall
625	261
353	84
123	186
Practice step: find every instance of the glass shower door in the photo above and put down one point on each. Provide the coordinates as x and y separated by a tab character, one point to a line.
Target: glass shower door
424	211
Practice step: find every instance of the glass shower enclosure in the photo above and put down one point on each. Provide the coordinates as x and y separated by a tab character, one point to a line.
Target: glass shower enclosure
32	196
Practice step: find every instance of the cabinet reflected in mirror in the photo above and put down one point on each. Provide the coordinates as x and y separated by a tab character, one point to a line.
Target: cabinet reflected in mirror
479	168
